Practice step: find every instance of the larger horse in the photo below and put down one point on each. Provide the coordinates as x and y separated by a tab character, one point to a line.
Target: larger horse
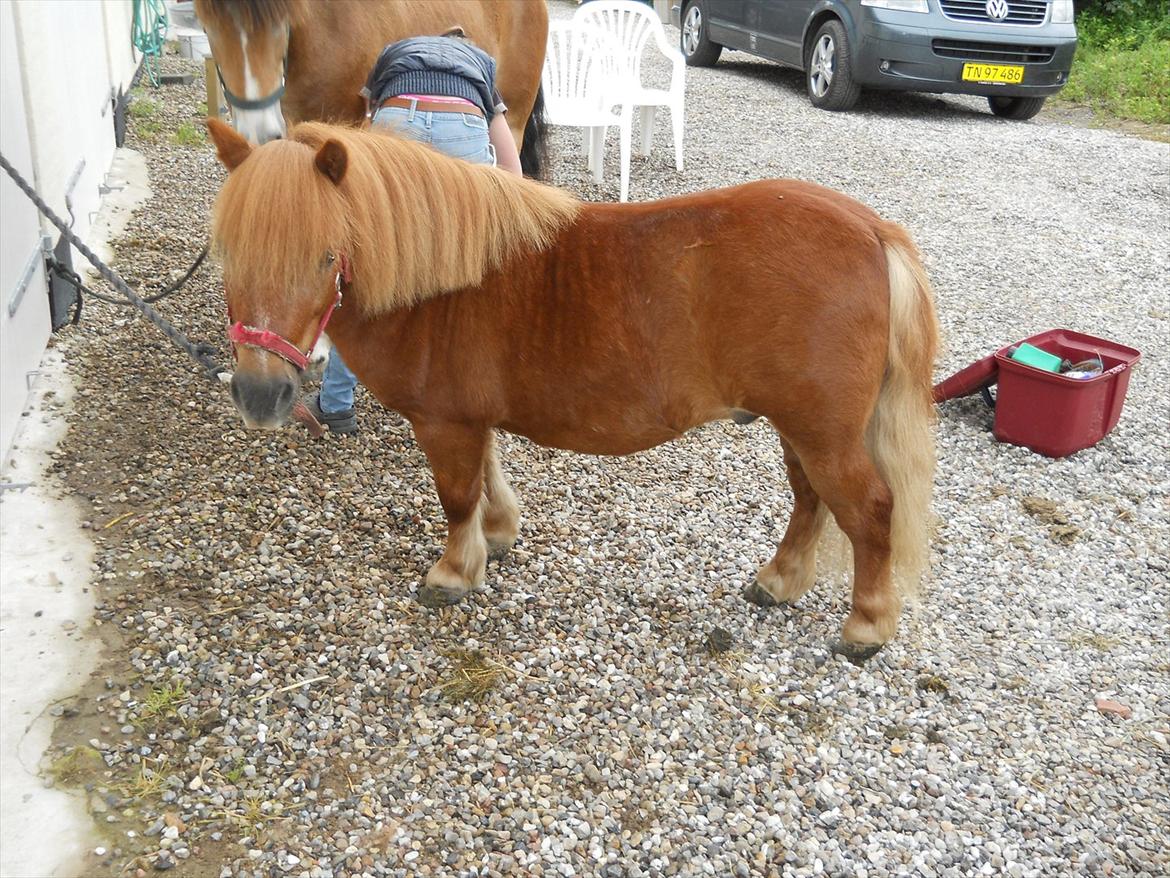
308	59
475	300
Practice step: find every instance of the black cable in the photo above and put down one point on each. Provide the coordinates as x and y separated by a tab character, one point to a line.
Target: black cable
200	353
168	291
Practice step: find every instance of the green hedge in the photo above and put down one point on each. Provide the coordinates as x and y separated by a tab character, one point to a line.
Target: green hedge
1122	65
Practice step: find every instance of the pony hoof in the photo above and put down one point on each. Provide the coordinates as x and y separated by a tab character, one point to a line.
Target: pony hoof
498	551
758	595
858	653
438	596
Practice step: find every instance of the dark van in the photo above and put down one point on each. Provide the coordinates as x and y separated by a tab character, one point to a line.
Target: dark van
1015	52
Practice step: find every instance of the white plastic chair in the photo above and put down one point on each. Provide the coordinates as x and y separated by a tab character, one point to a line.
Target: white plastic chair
579	78
632	25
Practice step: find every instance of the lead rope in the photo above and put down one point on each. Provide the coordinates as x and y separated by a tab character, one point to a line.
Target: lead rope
201	353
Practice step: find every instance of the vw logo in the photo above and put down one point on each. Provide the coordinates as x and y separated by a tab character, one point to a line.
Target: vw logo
997	10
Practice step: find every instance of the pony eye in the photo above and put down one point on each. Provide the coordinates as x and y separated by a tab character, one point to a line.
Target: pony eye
330	258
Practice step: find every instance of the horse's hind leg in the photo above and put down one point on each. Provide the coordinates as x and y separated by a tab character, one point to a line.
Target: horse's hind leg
456	454
793	570
846	480
501	514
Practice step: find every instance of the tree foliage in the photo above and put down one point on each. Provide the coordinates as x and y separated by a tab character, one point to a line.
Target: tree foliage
1122	24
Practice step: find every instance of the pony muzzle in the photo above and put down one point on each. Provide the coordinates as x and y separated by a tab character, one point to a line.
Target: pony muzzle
265	401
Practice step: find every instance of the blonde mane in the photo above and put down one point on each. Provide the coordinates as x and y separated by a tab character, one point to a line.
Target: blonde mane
413	222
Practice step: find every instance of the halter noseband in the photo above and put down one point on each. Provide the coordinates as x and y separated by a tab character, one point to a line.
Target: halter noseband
274	343
263	103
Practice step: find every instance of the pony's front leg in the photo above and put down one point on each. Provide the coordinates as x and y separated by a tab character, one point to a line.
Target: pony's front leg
501	514
456	453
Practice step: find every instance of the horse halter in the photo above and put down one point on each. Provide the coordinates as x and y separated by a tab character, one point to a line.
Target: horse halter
263	103
274	343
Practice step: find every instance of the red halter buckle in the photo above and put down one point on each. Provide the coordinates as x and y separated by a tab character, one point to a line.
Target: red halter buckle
274	343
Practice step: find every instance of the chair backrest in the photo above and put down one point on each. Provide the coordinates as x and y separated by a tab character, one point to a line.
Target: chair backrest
580	72
631	24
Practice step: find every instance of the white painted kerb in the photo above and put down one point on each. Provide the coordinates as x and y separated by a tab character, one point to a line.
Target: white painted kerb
46	563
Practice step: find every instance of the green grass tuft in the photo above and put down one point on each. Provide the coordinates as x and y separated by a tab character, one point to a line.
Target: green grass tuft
77	766
188	135
142	108
162	703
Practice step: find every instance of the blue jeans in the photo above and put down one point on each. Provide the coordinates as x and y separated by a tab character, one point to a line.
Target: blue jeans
459	135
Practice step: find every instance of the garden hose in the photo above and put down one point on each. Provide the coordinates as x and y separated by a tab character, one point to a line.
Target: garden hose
148	34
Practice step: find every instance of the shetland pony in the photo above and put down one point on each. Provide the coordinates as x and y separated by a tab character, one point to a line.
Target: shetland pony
308	59
476	300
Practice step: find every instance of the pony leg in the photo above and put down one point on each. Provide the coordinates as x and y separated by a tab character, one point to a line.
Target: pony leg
456	454
501	513
793	570
861	501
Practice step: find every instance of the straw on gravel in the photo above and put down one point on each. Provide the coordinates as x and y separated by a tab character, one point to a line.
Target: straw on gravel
974	744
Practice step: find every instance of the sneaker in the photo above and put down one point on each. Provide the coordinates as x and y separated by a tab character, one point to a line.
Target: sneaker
344	421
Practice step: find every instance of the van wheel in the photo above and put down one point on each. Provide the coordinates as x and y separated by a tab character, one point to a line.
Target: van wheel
697	48
829	69
1015	108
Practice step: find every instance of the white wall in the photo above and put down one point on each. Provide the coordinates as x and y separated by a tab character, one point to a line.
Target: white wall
61	61
23	335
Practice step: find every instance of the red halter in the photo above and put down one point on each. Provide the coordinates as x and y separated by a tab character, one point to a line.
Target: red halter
267	340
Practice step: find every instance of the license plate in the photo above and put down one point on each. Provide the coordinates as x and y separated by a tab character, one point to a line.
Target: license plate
1010	73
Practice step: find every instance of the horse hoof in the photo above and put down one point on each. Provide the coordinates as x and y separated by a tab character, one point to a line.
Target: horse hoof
438	596
758	595
858	653
498	551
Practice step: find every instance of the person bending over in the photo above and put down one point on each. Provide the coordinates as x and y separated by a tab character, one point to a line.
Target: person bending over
438	90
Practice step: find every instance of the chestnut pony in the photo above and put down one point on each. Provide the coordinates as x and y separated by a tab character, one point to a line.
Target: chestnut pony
308	59
474	299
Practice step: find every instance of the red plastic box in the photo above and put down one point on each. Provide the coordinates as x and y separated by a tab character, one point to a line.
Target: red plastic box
1046	411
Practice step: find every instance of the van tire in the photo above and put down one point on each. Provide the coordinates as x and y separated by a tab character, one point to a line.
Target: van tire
829	69
1015	108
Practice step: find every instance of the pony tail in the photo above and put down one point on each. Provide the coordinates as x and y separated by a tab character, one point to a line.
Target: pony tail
900	437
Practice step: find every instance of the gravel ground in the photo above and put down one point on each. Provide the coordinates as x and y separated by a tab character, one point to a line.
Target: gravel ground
234	566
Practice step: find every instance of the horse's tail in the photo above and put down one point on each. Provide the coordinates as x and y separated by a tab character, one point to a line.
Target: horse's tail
900	436
534	152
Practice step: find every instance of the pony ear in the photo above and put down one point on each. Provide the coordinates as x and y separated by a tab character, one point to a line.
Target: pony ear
230	146
332	160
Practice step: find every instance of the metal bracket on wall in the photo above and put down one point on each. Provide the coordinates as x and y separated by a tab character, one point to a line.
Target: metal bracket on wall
69	187
25	279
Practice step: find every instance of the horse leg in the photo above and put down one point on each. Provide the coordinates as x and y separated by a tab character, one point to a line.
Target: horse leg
501	513
456	453
793	570
846	480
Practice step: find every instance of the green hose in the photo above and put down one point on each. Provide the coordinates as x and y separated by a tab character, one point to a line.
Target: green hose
148	34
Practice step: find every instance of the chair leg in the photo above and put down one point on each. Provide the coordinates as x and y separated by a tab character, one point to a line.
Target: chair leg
676	122
585	146
647	118
597	144
625	129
